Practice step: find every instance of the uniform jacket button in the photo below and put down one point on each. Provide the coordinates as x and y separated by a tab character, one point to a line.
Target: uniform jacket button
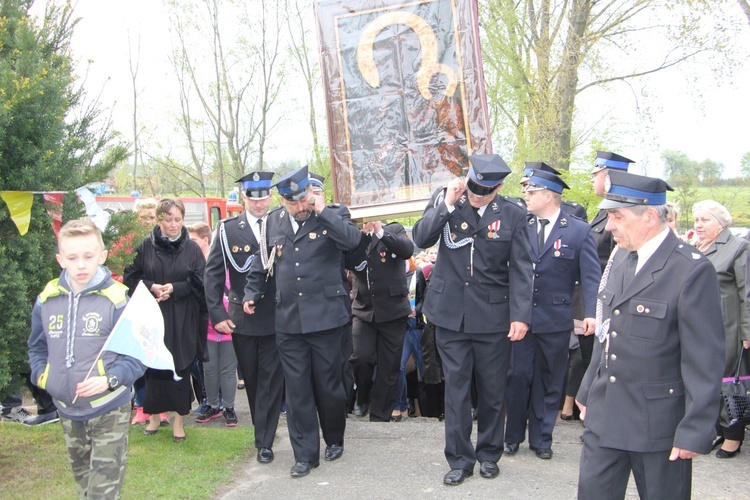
613	379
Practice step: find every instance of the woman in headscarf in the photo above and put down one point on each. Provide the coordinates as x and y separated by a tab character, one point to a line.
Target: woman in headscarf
729	255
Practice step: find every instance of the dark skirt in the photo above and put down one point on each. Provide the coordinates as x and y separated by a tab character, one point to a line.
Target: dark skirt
163	394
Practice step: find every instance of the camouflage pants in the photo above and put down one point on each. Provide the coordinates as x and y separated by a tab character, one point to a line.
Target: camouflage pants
97	452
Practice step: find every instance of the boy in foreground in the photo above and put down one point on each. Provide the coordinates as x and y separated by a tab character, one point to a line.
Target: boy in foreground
70	323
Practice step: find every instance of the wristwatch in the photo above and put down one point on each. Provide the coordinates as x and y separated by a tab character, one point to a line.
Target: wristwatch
113	382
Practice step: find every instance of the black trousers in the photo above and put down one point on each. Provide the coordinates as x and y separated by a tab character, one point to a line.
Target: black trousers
487	355
312	369
377	345
604	473
258	360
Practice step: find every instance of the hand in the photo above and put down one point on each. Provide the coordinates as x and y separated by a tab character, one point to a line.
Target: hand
517	331
92	386
317	202
162	292
249	307
582	410
226	326
589	326
681	454
372	227
413	314
455	189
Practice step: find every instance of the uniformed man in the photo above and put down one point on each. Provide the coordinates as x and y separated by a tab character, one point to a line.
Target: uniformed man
303	252
569	207
316	183
605	162
380	308
564	252
237	240
649	396
479	298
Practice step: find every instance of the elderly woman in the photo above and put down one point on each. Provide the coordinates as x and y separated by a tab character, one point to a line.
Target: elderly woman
729	255
171	265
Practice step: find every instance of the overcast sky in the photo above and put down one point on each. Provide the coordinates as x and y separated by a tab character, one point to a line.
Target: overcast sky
713	125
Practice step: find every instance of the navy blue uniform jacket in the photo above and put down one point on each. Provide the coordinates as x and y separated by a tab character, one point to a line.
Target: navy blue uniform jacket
485	289
569	254
310	292
386	296
240	245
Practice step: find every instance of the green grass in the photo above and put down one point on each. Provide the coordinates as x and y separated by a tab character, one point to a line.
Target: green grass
735	197
33	462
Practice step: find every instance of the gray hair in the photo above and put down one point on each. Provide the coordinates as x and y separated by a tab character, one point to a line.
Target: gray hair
661	211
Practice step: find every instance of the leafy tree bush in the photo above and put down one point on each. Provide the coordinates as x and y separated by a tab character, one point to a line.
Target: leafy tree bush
51	139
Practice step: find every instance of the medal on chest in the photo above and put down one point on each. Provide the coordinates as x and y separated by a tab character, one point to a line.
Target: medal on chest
492	230
382	256
557	246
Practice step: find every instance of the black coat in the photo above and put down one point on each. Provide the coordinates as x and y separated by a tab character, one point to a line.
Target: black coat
602	238
380	291
181	263
658	385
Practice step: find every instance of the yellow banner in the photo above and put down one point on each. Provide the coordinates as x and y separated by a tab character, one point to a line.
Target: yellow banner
19	204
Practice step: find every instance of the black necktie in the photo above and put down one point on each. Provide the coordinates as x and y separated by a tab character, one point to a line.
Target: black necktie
630	266
542	224
476	214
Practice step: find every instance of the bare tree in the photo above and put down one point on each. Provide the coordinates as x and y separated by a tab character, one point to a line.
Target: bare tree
230	76
133	65
266	51
541	55
299	35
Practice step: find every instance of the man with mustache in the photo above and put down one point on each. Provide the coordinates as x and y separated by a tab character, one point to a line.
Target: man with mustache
302	251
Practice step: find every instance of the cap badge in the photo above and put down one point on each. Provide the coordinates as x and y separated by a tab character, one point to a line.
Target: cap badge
293	186
480	177
256	177
607	184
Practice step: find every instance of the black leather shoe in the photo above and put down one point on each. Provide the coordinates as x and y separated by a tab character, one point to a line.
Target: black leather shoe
722	453
361	410
489	469
510	448
457	476
543	453
265	455
301	469
334	452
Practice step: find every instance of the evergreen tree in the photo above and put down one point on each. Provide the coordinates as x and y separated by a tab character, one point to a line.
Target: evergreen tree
51	139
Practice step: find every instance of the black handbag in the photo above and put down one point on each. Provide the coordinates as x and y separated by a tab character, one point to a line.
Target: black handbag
735	393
